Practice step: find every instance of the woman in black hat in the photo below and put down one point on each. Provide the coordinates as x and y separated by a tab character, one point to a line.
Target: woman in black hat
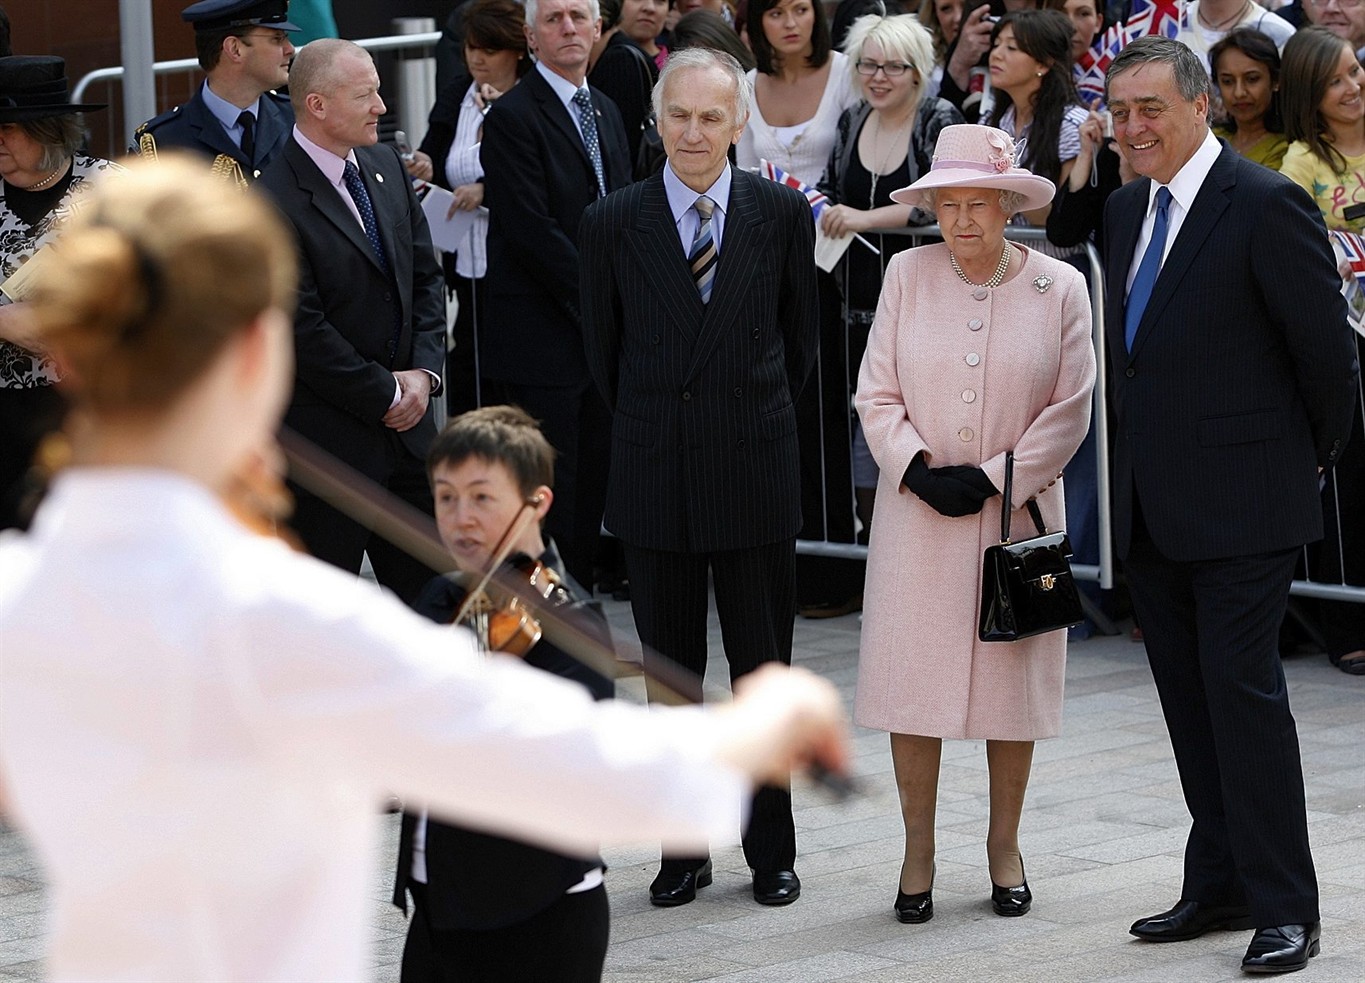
41	176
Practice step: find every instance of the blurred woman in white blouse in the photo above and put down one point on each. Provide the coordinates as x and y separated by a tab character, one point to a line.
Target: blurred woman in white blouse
197	723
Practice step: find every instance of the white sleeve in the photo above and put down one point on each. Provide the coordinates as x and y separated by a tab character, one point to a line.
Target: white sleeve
359	685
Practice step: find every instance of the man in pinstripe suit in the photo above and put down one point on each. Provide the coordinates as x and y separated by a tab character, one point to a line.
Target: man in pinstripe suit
1235	378
699	317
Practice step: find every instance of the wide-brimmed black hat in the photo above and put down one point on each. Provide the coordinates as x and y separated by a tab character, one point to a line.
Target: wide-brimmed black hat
218	15
34	87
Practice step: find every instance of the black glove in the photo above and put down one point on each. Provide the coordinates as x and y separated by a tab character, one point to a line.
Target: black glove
953	491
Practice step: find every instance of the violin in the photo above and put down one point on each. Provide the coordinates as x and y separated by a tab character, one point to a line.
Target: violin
510	624
504	619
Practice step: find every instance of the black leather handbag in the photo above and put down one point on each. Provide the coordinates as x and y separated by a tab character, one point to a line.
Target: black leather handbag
1026	587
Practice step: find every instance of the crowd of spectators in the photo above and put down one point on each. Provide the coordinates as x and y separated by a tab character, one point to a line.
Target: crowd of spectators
819	116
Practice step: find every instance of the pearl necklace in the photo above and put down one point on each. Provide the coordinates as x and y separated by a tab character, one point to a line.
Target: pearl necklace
1001	269
48	181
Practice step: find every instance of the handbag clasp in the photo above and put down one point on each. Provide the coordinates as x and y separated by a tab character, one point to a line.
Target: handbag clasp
1047	581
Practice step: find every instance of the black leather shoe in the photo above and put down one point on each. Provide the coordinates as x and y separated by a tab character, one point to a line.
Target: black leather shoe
776	887
1282	949
1011	901
913	909
1189	920
672	888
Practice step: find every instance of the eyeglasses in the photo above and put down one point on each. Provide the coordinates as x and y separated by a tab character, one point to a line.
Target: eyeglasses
1343	4
895	69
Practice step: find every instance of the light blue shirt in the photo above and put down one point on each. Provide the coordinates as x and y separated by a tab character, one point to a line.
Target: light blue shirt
226	113
680	201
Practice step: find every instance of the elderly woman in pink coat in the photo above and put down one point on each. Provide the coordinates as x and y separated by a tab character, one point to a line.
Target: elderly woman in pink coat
979	347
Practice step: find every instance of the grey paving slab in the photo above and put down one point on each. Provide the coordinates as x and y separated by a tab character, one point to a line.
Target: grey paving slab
1103	832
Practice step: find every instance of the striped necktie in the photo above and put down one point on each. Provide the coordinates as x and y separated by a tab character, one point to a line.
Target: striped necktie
702	257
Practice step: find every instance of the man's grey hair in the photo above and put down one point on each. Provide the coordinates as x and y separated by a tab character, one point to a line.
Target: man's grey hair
1011	202
594	11
315	67
703	58
1191	78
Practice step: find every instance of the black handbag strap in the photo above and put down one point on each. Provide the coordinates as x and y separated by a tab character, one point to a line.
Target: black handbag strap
1007	506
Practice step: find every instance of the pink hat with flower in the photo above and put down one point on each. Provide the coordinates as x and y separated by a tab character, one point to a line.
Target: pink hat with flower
969	155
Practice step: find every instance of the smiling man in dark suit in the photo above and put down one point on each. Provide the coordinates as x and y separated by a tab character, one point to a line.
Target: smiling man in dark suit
370	327
1234	377
699	316
551	146
236	116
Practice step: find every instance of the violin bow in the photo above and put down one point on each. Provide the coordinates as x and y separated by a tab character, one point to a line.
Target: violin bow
414	532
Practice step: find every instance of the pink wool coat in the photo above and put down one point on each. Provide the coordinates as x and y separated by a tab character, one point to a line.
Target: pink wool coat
964	375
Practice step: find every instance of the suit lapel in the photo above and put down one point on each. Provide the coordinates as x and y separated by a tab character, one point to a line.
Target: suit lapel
1124	238
557	113
655	240
1208	206
327	200
211	132
271	129
744	237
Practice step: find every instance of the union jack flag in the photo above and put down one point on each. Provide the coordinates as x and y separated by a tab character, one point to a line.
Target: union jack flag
819	201
1163	17
1352	248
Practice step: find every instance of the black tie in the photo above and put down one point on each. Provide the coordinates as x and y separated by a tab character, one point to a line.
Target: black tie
247	121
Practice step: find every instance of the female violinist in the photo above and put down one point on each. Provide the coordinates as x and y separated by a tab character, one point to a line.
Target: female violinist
197	722
489	908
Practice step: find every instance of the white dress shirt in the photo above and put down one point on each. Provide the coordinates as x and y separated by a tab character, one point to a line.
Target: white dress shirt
462	166
565	90
197	725
1184	188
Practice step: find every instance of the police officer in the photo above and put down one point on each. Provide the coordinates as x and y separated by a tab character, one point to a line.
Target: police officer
236	117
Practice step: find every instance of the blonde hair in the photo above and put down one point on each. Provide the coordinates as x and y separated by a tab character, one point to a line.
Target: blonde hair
158	268
899	36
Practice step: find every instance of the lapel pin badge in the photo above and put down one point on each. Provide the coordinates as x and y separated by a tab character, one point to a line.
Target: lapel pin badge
379	177
1041	283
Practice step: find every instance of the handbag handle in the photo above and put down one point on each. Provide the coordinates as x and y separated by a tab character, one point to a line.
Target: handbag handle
1007	506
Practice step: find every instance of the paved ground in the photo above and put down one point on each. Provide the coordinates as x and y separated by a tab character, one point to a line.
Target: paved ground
1103	832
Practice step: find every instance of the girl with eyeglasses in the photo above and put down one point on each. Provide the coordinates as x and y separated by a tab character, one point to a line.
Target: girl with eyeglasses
883	143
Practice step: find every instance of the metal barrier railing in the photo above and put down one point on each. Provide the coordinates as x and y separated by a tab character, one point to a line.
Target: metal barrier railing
164	72
1103	572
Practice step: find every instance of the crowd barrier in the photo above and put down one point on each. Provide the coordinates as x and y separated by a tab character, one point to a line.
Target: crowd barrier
178	80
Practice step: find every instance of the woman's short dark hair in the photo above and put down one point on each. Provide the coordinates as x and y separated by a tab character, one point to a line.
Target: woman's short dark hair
1307	64
1045	36
764	56
703	28
496	24
611	13
1257	46
505	435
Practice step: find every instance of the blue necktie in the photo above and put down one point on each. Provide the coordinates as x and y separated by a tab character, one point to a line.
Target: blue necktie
361	197
1141	290
351	175
587	119
702	257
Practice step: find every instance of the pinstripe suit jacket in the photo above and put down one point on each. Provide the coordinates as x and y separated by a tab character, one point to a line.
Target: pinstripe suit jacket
704	453
1242	375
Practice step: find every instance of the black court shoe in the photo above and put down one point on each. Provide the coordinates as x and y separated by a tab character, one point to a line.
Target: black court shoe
914	909
1011	901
